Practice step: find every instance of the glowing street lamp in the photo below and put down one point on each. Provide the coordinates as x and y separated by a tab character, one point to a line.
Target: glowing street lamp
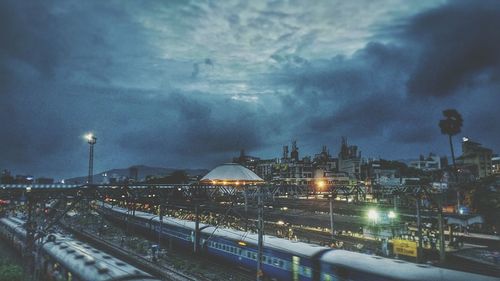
391	215
321	184
373	215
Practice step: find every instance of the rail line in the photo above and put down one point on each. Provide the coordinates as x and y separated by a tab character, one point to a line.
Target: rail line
163	272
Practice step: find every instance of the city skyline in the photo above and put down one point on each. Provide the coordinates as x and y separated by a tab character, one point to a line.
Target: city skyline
189	84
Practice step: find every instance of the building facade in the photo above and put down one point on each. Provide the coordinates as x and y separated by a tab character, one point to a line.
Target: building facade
429	163
476	158
349	161
495	165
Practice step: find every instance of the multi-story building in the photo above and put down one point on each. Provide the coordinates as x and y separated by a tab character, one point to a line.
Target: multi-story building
429	163
476	158
495	165
324	161
265	169
291	169
349	160
250	162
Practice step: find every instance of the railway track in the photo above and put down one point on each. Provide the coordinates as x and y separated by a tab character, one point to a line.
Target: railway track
223	271
163	272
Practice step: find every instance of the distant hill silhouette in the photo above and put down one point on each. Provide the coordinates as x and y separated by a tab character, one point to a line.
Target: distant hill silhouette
142	172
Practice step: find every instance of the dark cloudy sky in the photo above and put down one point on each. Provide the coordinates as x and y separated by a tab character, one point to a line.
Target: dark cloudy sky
189	83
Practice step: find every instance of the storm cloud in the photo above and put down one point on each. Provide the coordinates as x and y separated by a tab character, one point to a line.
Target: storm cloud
190	83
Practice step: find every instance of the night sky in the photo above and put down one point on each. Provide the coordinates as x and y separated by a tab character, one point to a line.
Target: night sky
190	83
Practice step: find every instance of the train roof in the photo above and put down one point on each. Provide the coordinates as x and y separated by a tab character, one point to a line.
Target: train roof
270	242
18	220
83	260
88	262
16	226
390	268
397	269
166	219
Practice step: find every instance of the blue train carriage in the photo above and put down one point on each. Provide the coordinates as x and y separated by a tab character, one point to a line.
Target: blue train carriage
180	232
282	259
137	220
116	211
345	265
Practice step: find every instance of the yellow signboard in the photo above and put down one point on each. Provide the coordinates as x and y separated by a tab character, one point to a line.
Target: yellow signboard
405	247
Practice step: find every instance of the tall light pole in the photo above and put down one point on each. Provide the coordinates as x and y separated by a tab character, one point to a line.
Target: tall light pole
91	139
260	240
419	230
331	194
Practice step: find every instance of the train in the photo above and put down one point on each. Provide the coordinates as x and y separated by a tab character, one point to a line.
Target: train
62	258
283	259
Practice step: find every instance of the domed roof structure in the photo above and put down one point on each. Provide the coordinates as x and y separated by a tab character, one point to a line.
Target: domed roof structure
231	173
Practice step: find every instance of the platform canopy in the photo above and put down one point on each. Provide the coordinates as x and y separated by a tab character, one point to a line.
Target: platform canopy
231	174
464	220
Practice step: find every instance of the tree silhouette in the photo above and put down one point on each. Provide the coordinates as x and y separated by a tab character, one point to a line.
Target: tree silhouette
451	126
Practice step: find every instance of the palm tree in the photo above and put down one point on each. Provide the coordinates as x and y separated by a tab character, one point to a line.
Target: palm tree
451	126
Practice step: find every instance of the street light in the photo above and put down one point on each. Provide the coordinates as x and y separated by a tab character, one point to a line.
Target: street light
91	140
373	215
391	215
321	184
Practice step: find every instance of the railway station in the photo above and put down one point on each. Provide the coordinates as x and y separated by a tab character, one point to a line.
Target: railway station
267	140
233	218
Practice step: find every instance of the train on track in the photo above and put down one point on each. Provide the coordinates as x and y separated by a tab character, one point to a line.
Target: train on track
283	259
63	258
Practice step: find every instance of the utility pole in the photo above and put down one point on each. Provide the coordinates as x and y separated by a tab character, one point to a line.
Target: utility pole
160	215
419	230
197	220
196	227
260	226
442	253
246	208
439	201
28	254
331	216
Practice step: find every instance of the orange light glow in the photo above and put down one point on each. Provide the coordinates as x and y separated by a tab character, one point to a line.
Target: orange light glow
320	184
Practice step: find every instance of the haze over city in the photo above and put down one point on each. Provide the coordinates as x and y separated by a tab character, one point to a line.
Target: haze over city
190	83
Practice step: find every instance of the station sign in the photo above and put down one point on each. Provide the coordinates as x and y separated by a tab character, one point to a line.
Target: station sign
405	247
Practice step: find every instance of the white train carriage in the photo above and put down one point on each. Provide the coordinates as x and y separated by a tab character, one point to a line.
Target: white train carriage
13	232
62	258
346	265
76	261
